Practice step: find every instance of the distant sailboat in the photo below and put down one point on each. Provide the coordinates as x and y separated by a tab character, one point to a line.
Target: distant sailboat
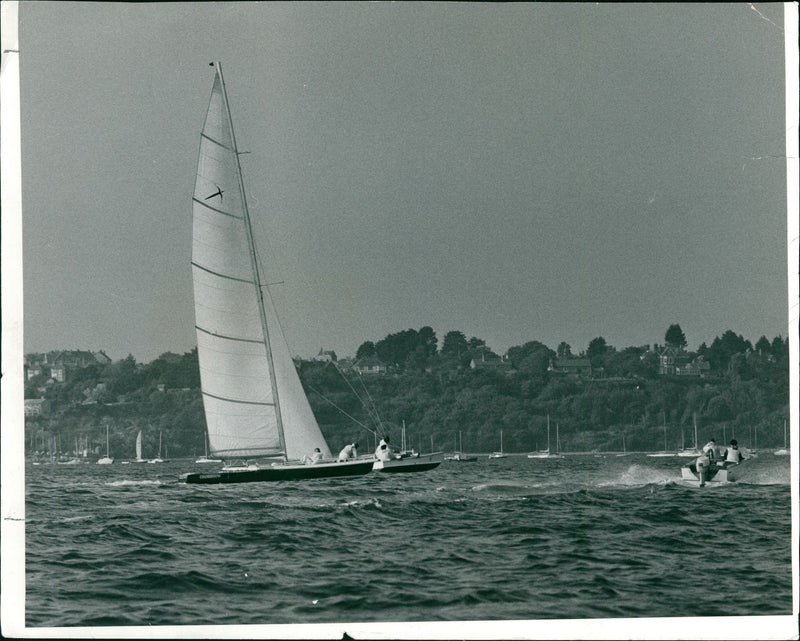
547	453
139	458
664	452
158	458
459	455
624	448
106	460
499	454
784	451
255	405
204	458
693	451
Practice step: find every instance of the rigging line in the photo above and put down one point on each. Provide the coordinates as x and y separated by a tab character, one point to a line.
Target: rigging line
371	412
350	385
327	400
372	402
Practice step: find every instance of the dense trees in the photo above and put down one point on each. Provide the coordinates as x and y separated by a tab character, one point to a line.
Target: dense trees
438	395
675	336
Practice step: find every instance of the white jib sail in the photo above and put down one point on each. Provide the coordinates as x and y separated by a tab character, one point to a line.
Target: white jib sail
239	404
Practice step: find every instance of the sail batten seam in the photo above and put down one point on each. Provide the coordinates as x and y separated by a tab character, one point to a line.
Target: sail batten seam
258	341
236	400
216	142
214	209
225	276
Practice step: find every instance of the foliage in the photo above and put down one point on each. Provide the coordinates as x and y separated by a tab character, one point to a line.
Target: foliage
675	336
440	397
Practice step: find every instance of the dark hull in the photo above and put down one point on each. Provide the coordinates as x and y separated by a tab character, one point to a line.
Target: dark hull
419	463
421	467
283	473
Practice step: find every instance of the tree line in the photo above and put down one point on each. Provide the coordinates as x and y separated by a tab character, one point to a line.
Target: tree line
442	400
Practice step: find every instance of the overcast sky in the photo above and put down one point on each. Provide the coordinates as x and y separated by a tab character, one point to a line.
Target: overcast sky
551	172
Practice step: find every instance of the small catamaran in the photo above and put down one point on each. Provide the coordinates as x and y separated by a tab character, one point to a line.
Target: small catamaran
255	406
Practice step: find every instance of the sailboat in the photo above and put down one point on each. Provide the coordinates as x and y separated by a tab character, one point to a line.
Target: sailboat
255	406
784	451
546	453
158	458
692	451
664	452
499	454
139	458
459	455
624	448
204	458
106	460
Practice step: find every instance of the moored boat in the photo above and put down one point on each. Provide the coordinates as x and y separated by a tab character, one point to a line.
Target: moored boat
784	451
106	460
547	453
501	453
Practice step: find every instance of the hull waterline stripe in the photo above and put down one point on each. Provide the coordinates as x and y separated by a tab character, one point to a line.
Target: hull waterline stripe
236	400
225	276
214	209
229	338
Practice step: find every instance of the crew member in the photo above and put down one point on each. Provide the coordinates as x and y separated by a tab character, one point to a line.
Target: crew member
705	461
384	451
316	457
732	454
348	452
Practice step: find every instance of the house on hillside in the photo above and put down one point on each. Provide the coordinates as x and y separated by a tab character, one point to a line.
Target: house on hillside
57	364
369	365
36	407
571	366
490	360
326	356
674	361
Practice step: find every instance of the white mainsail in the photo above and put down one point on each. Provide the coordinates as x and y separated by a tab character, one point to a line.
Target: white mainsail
253	399
139	446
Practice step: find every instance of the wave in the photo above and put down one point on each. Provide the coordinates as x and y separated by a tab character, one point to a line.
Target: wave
126	482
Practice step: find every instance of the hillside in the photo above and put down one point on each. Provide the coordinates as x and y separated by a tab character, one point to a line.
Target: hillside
462	388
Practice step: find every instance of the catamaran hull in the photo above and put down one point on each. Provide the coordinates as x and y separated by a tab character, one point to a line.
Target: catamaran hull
282	473
714	475
420	463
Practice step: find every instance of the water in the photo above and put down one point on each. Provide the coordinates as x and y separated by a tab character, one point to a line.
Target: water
516	538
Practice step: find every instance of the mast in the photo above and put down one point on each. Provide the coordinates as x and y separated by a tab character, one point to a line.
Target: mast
254	264
548	433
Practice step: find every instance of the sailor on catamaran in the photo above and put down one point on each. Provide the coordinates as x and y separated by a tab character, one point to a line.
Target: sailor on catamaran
706	461
732	454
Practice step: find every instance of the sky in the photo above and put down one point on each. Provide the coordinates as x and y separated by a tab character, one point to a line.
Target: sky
517	172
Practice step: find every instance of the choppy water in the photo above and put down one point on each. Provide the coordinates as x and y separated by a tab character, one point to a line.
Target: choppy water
515	538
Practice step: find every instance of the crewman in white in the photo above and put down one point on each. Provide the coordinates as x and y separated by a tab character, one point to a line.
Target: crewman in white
732	454
348	452
705	460
384	451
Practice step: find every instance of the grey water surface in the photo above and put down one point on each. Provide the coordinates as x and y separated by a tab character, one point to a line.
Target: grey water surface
578	537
